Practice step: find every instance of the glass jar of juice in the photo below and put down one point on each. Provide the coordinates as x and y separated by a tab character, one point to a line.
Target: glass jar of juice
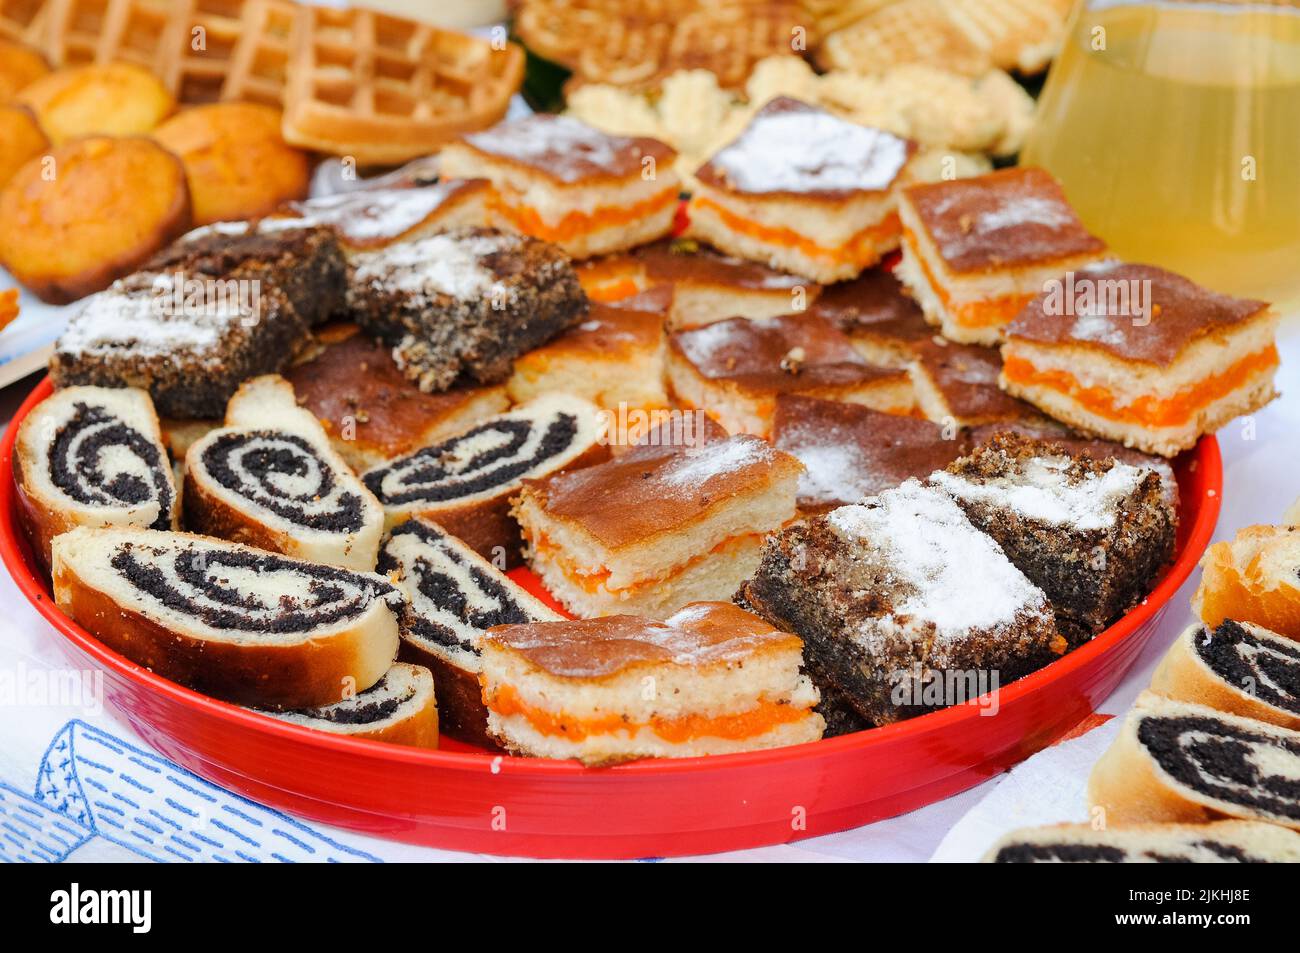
1174	127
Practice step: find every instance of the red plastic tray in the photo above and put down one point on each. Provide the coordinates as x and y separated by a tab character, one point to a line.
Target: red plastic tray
463	799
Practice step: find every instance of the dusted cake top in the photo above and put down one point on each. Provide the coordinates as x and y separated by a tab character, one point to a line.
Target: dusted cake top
1004	219
568	150
791	147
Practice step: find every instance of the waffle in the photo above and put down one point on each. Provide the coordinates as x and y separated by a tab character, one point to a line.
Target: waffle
383	90
23	20
246	54
827	16
643	41
142	32
964	36
915	31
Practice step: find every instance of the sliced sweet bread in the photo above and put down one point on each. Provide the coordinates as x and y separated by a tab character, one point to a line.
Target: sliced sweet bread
465	482
1175	761
270	478
1223	842
453	595
92	456
401	708
1235	667
237	623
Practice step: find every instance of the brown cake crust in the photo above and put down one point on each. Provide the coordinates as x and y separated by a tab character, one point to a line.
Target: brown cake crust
878	450
966	377
1002	220
1091	576
1181	313
686	261
873	305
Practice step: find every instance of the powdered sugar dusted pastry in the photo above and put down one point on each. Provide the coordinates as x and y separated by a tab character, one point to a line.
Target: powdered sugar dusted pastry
735	370
270	479
1221	842
565	182
1235	667
892	593
1149	358
803	191
977	250
884	324
1175	761
465	482
721	680
239	624
460	306
957	385
92	456
400	708
1092	534
658	526
453	595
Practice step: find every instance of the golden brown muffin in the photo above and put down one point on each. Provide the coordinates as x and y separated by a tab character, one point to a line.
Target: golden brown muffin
114	99
237	164
112	204
20	66
20	139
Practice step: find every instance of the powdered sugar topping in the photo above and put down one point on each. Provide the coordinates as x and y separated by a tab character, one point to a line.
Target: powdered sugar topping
959	580
1043	490
790	147
442	264
697	465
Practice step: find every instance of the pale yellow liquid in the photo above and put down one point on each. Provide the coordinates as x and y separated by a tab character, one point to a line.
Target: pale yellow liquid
1156	138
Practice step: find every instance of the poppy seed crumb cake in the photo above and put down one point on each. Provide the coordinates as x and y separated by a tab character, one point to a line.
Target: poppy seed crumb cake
460	306
565	182
658	526
736	369
902	604
202	318
850	452
710	679
1153	360
977	250
1092	534
803	191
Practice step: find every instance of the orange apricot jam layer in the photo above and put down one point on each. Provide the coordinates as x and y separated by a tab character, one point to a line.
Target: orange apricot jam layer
762	718
593	582
992	313
1147	411
615	290
860	250
576	224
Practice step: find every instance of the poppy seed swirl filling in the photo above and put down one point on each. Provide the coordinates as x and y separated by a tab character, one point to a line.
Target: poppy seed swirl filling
286	474
1225	762
98	460
1267	669
450	593
249	591
482	459
377	703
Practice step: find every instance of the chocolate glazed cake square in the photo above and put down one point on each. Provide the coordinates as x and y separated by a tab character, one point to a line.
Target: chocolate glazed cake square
1093	534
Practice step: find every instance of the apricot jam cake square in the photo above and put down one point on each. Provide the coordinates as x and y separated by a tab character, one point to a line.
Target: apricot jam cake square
565	182
1153	360
735	369
977	250
803	191
710	679
658	526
